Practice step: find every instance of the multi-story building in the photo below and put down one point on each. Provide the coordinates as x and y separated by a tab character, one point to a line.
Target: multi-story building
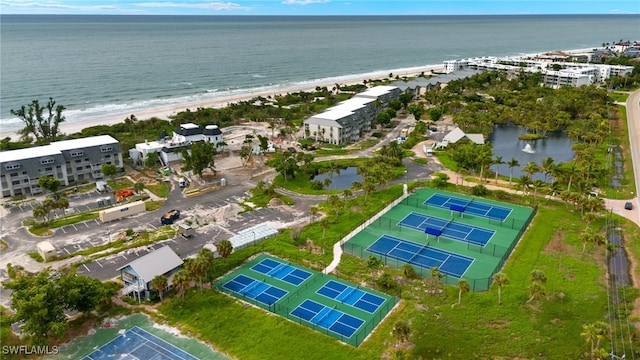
346	121
169	148
70	161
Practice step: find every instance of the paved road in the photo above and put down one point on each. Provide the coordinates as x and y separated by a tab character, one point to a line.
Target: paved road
633	121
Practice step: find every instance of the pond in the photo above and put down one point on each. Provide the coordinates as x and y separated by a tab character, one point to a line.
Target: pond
341	181
504	139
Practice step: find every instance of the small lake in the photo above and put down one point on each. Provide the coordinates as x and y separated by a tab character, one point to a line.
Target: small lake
504	139
341	181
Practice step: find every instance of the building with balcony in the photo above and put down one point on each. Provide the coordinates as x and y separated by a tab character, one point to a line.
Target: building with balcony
70	161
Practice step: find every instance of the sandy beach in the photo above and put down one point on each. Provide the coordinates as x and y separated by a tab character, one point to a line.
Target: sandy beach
166	111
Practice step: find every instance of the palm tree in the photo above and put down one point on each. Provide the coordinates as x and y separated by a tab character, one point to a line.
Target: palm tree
181	281
536	289
547	166
224	248
138	187
497	162
324	224
198	268
373	263
531	168
62	203
594	334
313	211
463	287
159	283
401	331
501	280
523	184
511	164
536	185
335	202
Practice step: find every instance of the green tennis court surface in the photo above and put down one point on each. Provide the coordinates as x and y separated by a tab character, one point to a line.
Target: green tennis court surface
322	302
134	337
423	226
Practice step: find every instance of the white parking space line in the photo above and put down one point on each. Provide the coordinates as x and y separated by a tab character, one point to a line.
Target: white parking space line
85	266
63	230
67	250
97	222
85	224
74	226
124	256
98	262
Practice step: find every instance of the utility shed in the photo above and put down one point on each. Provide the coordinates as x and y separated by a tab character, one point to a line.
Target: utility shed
46	250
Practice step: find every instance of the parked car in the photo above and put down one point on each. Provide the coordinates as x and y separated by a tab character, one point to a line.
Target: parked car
628	205
292	150
170	217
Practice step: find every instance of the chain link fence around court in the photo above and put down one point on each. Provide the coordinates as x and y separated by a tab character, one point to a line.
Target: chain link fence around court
511	223
476	284
289	302
357	338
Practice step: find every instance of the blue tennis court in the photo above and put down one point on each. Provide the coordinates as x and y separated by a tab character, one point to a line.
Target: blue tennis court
281	271
351	296
327	318
470	206
421	255
139	344
447	228
255	289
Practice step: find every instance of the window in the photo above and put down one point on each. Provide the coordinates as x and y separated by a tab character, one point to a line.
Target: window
47	161
48	169
106	149
12	167
76	153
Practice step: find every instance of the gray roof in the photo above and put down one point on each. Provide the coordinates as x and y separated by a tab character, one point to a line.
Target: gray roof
155	263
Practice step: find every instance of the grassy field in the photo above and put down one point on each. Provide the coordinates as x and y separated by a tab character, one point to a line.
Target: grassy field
549	327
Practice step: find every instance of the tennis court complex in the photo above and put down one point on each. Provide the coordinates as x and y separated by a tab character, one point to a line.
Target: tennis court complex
136	343
421	255
326	304
469	206
442	227
463	236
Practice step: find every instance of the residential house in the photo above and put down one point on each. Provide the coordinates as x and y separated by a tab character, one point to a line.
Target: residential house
138	274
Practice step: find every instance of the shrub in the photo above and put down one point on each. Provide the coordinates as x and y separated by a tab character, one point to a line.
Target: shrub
479	190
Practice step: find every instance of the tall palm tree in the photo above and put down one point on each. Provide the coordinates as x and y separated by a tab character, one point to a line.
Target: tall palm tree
523	184
224	248
536	289
313	211
159	283
62	203
497	162
463	288
501	280
511	164
547	166
198	268
531	168
181	281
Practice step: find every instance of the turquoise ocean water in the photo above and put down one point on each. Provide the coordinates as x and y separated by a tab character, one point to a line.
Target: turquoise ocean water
109	65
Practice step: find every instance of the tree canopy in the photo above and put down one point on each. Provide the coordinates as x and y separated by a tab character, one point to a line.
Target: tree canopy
44	128
200	157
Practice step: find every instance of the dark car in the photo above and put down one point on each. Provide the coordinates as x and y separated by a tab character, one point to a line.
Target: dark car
628	205
292	150
170	217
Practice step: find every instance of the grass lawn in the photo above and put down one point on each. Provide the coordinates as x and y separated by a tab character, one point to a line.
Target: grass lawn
548	327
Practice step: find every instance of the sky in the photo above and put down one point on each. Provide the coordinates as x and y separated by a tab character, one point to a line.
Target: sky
319	7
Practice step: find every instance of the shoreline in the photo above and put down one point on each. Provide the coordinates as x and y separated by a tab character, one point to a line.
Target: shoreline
163	112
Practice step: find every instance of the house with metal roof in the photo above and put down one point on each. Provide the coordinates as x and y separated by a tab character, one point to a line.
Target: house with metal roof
456	135
138	274
70	161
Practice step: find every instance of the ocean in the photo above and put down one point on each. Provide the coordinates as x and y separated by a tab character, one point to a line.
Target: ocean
99	66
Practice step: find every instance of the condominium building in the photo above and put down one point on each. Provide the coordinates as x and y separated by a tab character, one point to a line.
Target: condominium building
70	161
345	122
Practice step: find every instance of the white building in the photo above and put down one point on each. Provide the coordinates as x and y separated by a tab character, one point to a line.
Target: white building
170	149
346	121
